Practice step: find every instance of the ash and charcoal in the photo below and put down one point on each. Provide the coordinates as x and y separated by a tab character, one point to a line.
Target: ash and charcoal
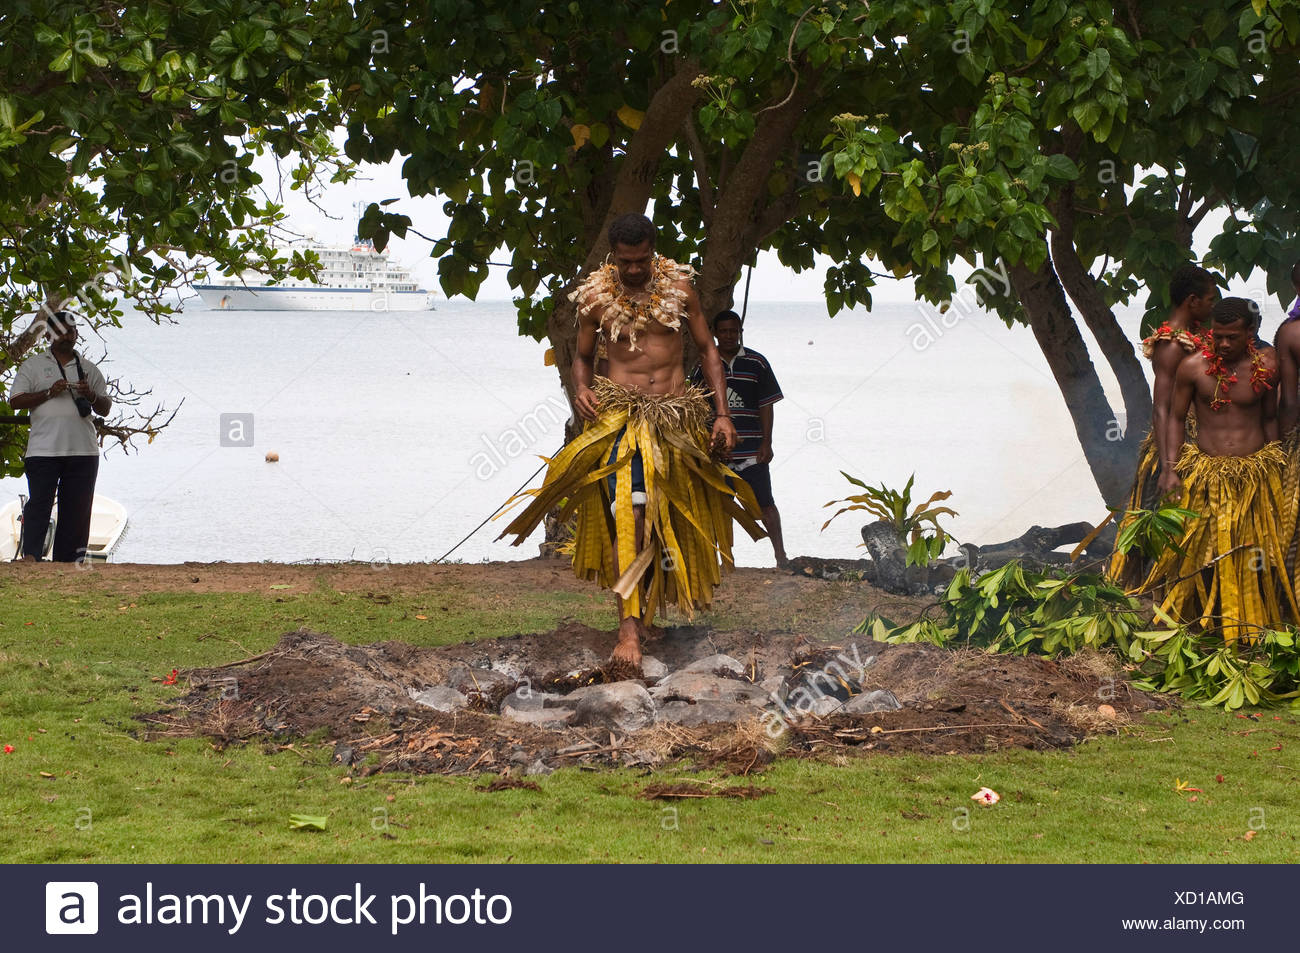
530	703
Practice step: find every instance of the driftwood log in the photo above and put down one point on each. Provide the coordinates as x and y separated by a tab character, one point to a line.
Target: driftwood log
1035	548
1038	545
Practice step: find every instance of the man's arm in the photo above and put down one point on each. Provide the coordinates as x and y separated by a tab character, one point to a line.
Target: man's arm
1270	397
100	402
711	364
25	395
1180	403
1288	378
770	394
765	448
1165	360
584	366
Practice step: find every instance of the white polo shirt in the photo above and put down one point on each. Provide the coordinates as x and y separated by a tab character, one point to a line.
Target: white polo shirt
57	430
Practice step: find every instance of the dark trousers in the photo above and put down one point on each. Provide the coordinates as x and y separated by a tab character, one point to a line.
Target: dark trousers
73	479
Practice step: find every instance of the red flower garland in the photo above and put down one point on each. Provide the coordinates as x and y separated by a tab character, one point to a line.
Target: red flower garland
1261	377
1188	339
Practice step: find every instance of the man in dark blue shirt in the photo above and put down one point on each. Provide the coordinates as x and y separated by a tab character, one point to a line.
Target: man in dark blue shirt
751	391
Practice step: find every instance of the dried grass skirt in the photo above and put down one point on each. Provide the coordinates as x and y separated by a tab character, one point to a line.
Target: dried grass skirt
1230	575
691	500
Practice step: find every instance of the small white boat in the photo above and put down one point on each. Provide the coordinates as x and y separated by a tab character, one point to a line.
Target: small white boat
107	523
10	529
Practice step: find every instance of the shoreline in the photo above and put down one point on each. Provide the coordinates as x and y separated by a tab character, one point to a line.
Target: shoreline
766	599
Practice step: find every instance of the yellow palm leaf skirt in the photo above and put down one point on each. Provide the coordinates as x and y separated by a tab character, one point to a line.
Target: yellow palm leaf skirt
1289	515
1131	568
1231	574
691	501
1128	569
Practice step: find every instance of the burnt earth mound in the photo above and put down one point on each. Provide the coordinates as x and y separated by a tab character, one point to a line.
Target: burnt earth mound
526	704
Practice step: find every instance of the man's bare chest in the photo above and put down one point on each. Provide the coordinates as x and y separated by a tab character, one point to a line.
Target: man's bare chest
645	324
1244	384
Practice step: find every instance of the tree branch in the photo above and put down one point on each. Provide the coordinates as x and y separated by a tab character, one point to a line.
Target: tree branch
700	161
636	174
632	188
730	238
1097	314
789	59
777	211
1043	299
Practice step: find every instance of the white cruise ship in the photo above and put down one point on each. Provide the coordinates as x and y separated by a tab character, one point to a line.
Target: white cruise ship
355	278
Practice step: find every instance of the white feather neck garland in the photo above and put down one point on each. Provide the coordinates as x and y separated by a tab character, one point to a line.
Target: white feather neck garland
666	302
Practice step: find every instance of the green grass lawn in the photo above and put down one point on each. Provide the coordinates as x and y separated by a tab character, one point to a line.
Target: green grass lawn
78	787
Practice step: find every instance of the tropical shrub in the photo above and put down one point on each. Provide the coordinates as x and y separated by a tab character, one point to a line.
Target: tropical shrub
917	527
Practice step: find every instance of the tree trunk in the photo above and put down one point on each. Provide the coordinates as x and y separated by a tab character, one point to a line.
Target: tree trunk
1114	343
1112	462
633	188
738	216
15	349
741	219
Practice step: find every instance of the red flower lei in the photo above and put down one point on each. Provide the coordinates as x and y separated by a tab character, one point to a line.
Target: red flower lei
1261	378
1189	339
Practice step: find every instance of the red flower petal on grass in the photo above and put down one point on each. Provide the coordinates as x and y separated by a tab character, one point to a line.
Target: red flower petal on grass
170	679
9	749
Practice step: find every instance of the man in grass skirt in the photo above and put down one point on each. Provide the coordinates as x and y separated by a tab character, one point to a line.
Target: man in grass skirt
654	505
1228	573
1193	293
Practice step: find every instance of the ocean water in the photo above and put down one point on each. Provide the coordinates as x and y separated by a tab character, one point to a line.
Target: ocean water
398	433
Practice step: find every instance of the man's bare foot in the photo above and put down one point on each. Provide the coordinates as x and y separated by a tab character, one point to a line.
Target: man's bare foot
628	650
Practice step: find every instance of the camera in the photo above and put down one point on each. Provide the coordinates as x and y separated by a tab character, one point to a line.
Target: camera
83	406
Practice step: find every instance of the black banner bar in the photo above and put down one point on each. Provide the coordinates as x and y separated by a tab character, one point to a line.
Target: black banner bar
676	909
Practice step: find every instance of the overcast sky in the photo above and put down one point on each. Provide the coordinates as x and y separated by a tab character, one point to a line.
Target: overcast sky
771	282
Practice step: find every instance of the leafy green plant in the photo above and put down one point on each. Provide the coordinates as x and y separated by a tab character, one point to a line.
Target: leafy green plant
1264	670
918	528
1153	531
1022	612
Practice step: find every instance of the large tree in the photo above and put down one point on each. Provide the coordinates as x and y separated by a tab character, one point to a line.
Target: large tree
540	123
1074	148
1069	147
127	137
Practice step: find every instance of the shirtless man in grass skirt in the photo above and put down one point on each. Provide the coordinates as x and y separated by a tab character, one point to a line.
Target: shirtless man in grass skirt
1228	573
653	503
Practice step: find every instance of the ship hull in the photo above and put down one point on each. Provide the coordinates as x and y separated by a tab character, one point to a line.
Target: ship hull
288	298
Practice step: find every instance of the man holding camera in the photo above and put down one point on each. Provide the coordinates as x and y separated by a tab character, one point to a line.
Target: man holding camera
61	389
